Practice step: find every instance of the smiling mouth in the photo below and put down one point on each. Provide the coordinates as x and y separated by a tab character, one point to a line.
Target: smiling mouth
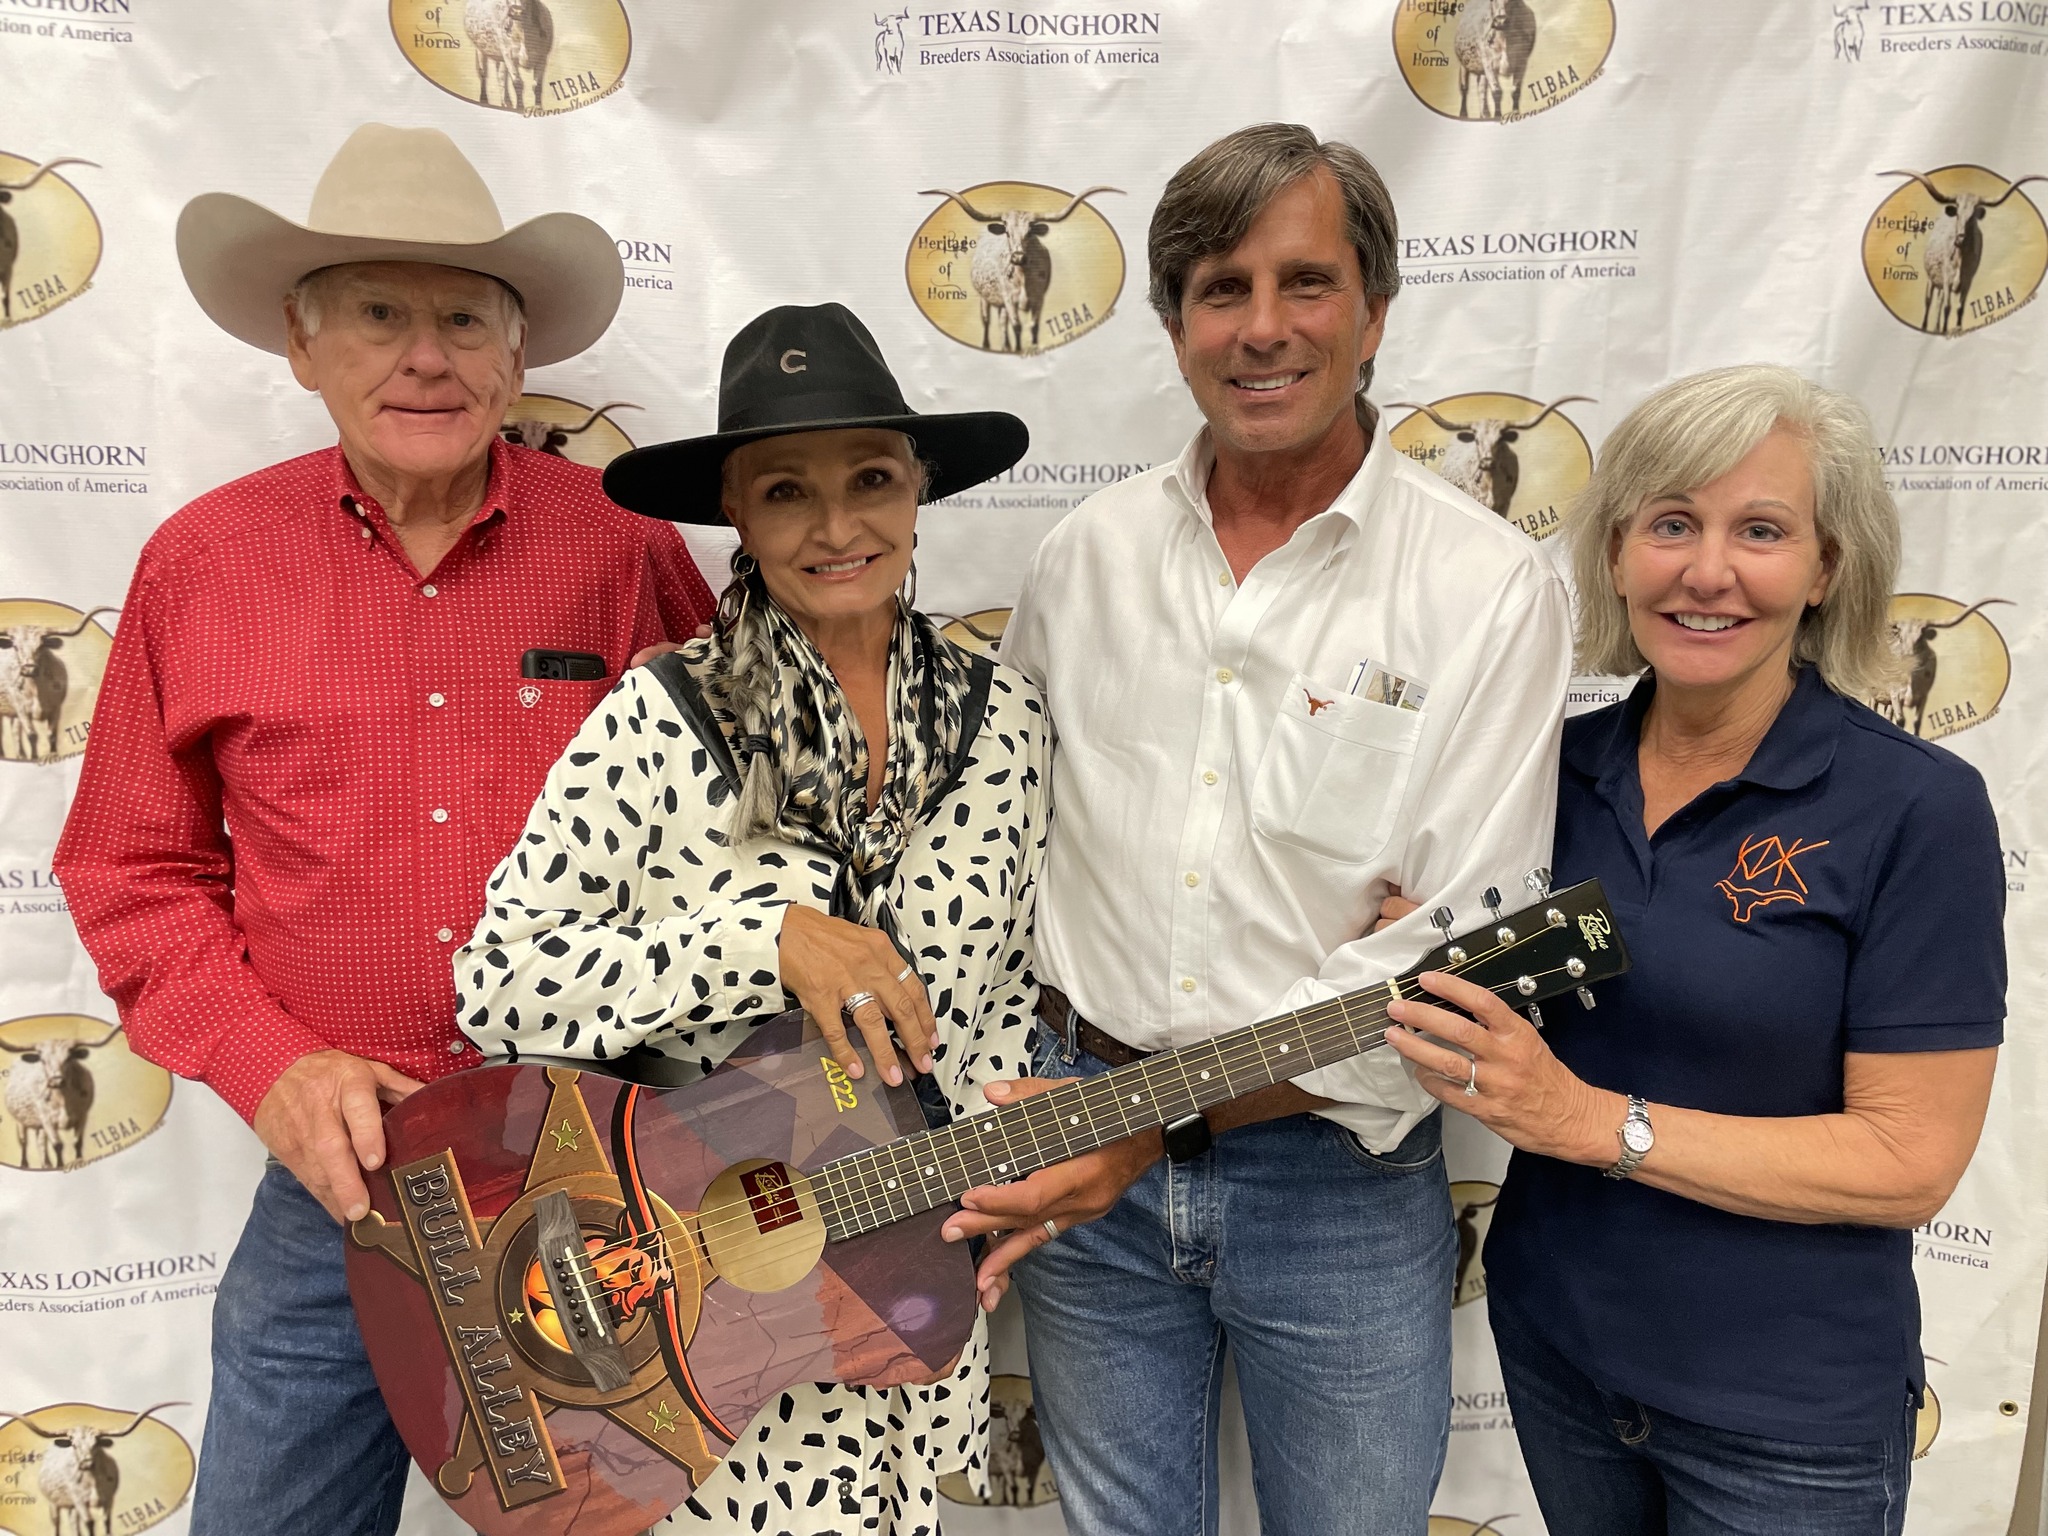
1705	623
1269	384
842	567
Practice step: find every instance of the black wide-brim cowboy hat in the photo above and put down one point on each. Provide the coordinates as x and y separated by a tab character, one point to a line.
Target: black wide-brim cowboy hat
808	369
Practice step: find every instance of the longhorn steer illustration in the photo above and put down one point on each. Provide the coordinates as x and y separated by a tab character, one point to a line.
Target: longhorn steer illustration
1481	461
34	681
1493	43
79	1476
515	35
49	1093
550	437
1012	269
10	232
1954	249
1912	640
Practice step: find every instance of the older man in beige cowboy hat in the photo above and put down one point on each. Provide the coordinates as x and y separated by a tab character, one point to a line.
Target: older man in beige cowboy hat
337	687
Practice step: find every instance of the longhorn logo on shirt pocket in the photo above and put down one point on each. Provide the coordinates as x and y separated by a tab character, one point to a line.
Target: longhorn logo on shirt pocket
1335	771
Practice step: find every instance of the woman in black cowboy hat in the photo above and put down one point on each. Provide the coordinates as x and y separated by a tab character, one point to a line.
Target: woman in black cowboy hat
831	715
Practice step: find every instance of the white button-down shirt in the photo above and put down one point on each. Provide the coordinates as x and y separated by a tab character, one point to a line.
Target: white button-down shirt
1227	814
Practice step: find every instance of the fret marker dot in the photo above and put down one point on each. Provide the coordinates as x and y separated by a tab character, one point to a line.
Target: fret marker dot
1002	1167
986	1129
892	1183
1073	1119
1135	1098
1285	1049
1205	1077
929	1172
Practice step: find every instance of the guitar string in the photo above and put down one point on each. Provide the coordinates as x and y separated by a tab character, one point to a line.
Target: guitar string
1326	1023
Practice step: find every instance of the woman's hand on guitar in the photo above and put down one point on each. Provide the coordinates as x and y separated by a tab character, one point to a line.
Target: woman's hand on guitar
1066	1194
1508	1079
826	960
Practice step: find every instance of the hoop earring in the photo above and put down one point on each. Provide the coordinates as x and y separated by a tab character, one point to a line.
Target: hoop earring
739	592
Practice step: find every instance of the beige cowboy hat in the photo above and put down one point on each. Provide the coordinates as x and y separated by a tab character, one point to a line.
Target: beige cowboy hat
399	194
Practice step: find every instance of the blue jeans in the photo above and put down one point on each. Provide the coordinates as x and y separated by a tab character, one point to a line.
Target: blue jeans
1327	1271
1606	1465
297	1439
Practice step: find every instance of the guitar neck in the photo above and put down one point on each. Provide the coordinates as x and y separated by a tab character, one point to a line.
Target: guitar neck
898	1179
1564	941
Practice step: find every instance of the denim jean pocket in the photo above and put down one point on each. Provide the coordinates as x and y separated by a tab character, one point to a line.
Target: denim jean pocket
1419	1149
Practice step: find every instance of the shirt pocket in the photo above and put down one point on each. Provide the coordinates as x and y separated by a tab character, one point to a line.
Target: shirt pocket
553	711
1335	771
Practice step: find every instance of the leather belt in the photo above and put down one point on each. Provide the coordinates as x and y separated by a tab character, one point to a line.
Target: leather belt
1059	1016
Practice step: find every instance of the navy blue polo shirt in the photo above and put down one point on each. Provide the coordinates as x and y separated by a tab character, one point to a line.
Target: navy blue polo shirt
1843	893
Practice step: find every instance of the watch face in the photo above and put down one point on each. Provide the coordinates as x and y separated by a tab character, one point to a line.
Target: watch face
1636	1136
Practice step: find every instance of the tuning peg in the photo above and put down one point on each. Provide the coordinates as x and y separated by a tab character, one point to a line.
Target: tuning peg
1535	1015
1491	901
1441	918
1586	997
1538	881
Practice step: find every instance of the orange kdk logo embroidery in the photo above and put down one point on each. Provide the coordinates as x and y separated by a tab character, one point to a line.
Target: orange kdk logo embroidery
1764	872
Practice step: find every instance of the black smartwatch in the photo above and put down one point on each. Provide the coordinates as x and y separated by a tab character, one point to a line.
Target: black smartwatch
1187	1138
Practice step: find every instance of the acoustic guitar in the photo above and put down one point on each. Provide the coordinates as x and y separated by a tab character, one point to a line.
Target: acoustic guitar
578	1289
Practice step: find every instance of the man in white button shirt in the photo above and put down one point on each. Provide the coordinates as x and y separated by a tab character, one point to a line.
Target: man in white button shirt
1289	672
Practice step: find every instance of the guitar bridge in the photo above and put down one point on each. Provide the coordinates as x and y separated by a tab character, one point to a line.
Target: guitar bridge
579	1296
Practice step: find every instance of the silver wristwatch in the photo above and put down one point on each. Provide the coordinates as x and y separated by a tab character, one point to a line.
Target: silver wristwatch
1636	1139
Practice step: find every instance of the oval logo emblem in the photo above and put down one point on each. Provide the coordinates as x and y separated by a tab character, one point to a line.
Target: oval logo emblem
534	57
51	661
1955	249
49	237
1523	458
74	1092
979	633
1472	1202
1499	60
141	1469
1019	1476
1957	666
1012	266
569	429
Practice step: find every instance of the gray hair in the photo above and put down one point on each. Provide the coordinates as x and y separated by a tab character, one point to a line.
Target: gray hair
751	683
1697	429
1210	203
312	294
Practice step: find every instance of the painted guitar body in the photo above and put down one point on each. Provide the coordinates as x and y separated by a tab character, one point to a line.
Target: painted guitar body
468	1340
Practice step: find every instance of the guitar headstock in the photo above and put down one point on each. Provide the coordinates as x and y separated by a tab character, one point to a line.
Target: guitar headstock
1564	941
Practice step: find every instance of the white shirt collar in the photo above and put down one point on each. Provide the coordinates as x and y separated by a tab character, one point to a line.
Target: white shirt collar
1187	482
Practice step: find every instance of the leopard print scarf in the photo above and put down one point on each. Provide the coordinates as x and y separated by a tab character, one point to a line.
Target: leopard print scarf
823	754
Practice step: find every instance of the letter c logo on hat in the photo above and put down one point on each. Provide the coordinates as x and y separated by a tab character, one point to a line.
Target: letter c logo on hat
790	366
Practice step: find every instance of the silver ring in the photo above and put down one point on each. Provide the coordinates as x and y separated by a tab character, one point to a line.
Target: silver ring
1052	1228
856	1002
904	974
1472	1082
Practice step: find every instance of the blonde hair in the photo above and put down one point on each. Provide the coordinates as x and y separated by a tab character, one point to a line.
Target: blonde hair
1696	430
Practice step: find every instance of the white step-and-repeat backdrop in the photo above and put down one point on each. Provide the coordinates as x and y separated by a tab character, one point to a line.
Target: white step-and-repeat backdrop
1853	189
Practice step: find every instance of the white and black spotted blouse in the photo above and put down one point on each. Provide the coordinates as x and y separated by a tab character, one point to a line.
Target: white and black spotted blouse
622	918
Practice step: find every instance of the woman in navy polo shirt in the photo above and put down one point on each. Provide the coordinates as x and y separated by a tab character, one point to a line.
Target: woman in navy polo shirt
1699	1270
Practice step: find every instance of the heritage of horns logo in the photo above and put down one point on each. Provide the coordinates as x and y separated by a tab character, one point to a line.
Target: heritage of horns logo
1957	665
980	633
568	429
1012	266
1019	1476
49	238
51	661
534	57
1472	1200
1453	1525
74	1093
1521	457
96	1470
1954	249
1927	1422
1500	59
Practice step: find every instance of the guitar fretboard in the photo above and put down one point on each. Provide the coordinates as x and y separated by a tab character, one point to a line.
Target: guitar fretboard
898	1179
